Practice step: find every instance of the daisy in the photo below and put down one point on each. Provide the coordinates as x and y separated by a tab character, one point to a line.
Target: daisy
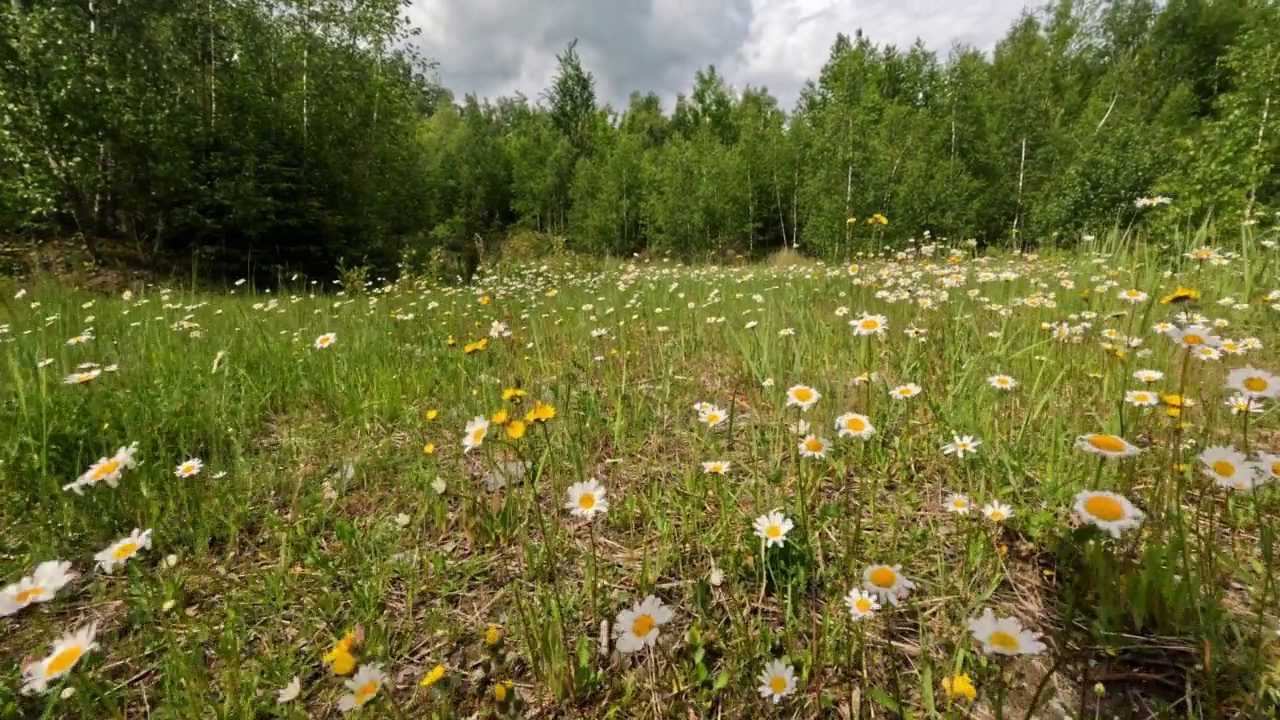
637	628
1148	376
1204	352
958	504
325	341
364	686
802	396
773	528
586	499
887	583
1110	512
290	692
855	426
1132	295
106	469
1268	467
712	416
43	584
1004	636
1243	404
66	653
1227	467
1193	337
902	392
120	551
1002	382
474	433
1253	382
870	324
997	511
861	603
715	467
1106	445
81	378
777	680
813	446
1141	398
961	445
189	468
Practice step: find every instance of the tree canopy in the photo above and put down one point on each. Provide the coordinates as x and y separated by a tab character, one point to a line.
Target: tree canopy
270	134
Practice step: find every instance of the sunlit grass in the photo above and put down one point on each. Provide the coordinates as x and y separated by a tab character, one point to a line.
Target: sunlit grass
335	493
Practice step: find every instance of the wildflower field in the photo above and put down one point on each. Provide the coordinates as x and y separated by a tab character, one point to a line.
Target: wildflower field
932	483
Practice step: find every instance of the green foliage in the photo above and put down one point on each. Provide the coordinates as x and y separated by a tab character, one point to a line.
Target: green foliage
253	135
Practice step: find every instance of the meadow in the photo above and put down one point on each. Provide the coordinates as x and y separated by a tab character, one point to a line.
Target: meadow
928	483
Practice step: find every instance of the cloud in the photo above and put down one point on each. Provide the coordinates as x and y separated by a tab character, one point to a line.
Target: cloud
499	47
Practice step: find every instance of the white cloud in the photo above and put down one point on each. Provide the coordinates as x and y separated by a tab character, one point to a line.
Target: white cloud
498	47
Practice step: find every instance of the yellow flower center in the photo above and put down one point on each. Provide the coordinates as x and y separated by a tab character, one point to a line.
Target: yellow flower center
1003	640
106	470
500	692
1275	468
1225	468
1193	339
63	661
587	501
125	551
642	626
883	577
869	324
1104	508
1107	443
959	504
803	394
477	435
365	692
188	468
1255	384
773	532
997	515
27	595
777	684
855	424
813	445
713	418
863	605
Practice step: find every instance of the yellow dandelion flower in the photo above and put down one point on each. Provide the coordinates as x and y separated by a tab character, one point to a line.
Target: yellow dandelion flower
1180	295
515	429
960	686
433	677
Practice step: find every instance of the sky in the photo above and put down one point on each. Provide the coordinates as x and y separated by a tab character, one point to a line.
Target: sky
499	47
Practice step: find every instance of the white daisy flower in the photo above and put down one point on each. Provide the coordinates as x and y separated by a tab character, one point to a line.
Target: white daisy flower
887	583
1228	468
855	426
861	603
958	504
813	446
474	433
777	680
40	587
1004	636
37	676
997	511
1111	512
802	396
637	628
364	686
189	468
961	446
586	499
120	551
773	528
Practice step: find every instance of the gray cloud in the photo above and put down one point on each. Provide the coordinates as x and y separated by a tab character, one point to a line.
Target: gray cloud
499	47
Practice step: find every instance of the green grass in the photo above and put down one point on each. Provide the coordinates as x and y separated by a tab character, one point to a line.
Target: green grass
330	515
